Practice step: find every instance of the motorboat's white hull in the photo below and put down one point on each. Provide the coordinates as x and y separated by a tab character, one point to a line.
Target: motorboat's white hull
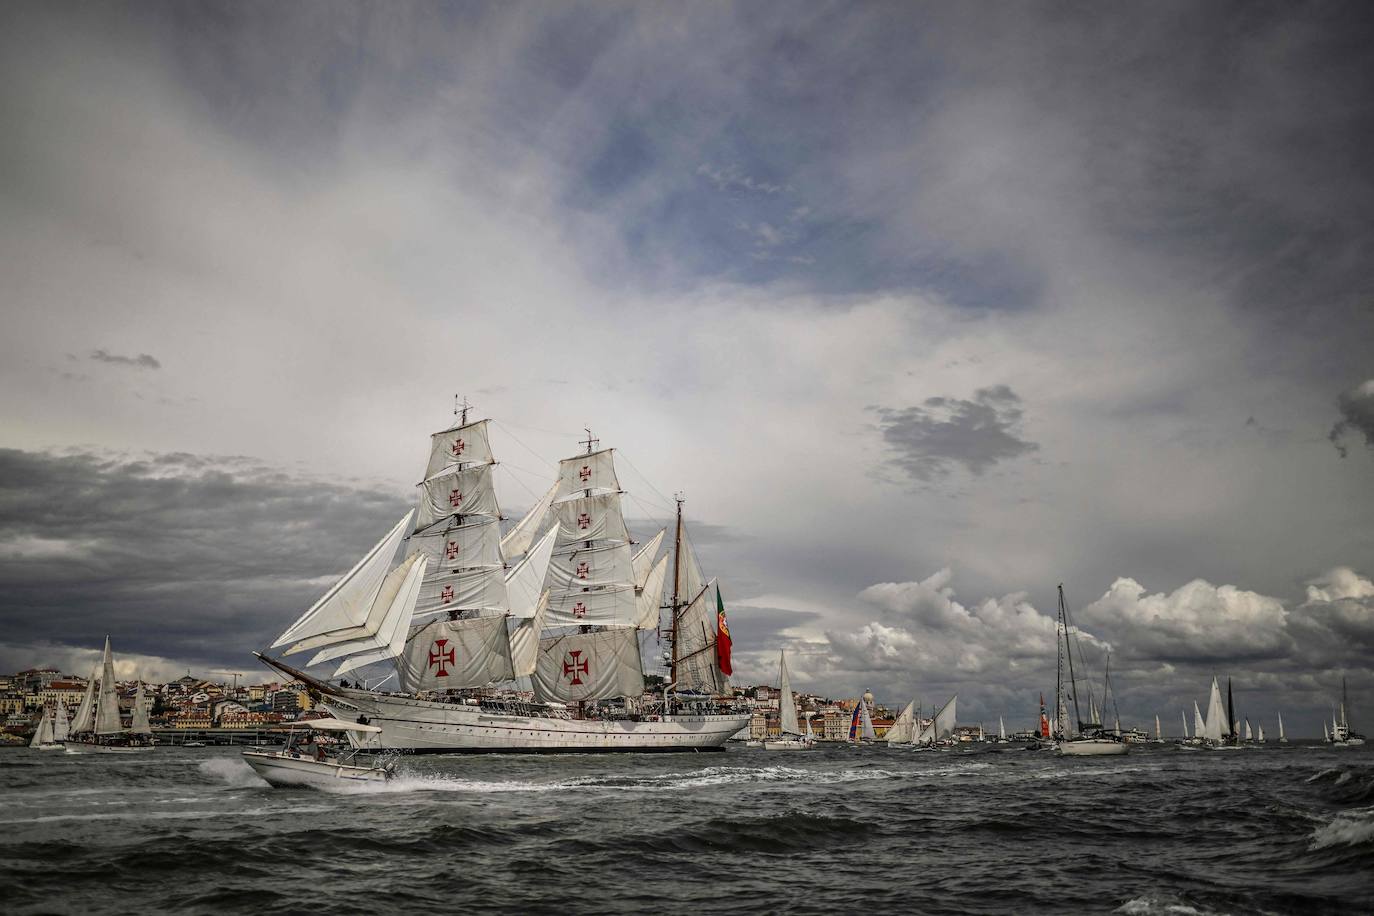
280	769
1093	747
424	726
84	747
784	745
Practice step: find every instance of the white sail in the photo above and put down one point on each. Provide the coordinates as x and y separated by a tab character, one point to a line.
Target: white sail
107	707
444	590
1215	725
453	654
44	733
787	707
593	518
1001	729
1199	723
84	720
1326	736
390	639
1159	731
61	728
468	444
697	627
579	567
464	491
476	542
1184	713
1261	734
391	607
524	640
348	602
140	724
1281	734
942	725
614	607
650	597
525	583
599	665
866	732
594	472
518	540
903	729
644	558
690	578
1249	736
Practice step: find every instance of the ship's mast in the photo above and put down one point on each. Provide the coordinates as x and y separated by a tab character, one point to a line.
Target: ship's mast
1068	650
460	410
677	586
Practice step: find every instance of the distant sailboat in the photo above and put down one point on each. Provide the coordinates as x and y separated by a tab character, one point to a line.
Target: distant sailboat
97	728
903	730
1214	727
1341	733
1159	732
941	725
1184	714
1001	731
861	725
1199	723
1260	739
1283	739
1326	735
1249	735
44	737
790	737
1089	738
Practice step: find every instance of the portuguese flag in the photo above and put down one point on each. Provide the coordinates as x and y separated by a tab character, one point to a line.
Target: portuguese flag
722	636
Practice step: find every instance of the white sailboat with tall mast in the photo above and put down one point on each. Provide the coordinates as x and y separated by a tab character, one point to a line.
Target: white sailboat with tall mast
52	729
1341	733
940	728
97	727
790	734
903	730
1283	739
1089	738
527	642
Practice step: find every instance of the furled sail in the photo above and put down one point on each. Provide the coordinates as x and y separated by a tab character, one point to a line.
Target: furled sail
391	607
650	597
457	491
524	640
518	540
140	725
594	471
591	518
903	730
347	604
942	725
107	708
468	444
453	654
644	558
787	706
85	713
1215	726
599	665
525	583
697	668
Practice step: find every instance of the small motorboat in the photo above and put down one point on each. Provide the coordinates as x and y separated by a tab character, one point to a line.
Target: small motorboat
306	761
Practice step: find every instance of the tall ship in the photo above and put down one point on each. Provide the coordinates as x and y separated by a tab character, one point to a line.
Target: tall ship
528	641
97	728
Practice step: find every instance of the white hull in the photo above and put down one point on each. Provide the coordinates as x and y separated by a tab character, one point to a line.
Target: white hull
45	747
82	747
286	770
423	726
786	745
1092	747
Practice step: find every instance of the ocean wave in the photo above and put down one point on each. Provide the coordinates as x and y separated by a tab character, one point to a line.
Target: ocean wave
1349	828
1160	906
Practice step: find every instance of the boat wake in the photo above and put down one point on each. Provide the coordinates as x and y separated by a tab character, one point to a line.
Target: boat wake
232	772
1159	906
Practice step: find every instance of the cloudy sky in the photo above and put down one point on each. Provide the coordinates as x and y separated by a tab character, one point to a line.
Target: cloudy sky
925	308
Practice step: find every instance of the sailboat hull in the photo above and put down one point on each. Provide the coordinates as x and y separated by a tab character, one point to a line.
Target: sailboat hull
428	727
84	747
783	744
1092	747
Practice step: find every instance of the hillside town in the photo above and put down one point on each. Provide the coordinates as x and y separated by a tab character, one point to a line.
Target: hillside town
215	711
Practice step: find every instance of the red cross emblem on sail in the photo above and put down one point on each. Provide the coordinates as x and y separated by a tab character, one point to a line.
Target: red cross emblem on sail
447	594
574	667
458	446
451	551
455	498
583	570
579	610
585	474
584	521
437	656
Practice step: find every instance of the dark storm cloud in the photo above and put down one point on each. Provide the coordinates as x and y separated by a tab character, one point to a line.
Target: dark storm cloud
141	361
932	439
195	558
1357	416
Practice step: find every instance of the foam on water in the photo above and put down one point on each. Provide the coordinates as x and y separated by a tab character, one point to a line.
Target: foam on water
231	771
1150	906
1349	828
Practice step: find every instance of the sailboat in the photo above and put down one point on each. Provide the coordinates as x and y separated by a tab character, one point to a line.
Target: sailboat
1260	737
1089	739
556	606
1249	735
903	730
940	728
790	737
97	727
1341	734
861	725
1159	732
1001	731
1199	725
1283	739
46	736
1217	732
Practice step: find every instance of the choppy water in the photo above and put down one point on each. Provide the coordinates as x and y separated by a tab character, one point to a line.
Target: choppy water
1275	830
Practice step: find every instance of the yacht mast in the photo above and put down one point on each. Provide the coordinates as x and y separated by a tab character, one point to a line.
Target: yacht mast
1068	650
677	586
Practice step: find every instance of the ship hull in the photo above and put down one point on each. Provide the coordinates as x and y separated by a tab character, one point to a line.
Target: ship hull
427	727
1093	747
84	747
